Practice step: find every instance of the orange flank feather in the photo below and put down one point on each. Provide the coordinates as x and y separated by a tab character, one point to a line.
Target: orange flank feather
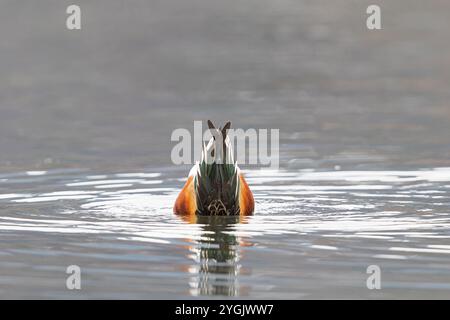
186	203
246	201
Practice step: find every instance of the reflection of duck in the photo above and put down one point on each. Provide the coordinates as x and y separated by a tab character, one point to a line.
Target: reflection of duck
215	186
217	255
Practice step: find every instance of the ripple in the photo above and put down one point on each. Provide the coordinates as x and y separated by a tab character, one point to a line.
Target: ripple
337	218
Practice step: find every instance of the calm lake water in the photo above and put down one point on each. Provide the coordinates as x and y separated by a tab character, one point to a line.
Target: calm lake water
85	171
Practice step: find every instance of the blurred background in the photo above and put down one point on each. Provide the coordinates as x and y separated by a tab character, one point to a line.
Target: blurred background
109	95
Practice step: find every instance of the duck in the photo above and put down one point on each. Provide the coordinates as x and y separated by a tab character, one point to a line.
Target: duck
215	185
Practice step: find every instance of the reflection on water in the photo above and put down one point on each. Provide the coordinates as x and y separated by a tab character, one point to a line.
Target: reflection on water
313	235
217	258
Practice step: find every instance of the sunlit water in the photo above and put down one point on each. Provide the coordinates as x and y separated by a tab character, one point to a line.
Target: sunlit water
313	235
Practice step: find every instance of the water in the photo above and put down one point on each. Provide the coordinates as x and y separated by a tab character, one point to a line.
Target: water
313	236
86	177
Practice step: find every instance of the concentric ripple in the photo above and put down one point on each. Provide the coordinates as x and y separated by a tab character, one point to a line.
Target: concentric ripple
314	234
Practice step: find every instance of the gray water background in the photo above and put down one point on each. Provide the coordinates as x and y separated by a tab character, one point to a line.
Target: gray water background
85	170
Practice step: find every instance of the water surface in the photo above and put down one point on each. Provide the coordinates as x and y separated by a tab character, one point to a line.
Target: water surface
313	236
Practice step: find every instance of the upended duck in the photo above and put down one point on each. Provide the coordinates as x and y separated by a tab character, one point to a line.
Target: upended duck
215	185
